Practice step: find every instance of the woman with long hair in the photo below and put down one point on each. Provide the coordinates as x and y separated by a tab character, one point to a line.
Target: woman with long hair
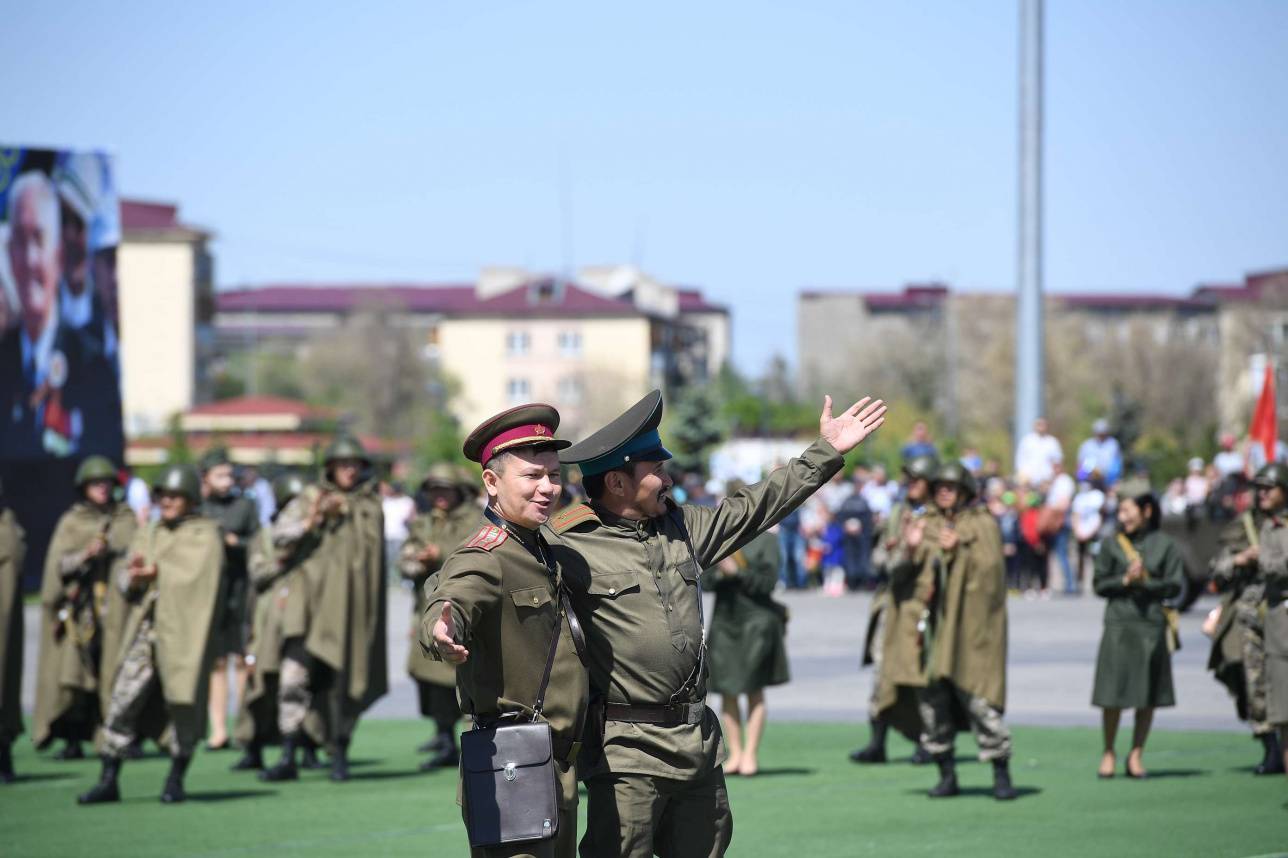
1136	572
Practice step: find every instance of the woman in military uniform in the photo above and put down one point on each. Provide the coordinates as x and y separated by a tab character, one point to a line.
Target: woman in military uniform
88	545
1135	574
431	538
745	645
13	548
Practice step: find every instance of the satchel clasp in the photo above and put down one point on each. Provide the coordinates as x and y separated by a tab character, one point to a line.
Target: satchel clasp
510	773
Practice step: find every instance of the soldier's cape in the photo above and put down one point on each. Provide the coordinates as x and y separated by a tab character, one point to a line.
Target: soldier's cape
12	551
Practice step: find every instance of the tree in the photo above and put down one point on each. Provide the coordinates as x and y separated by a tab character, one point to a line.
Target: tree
695	427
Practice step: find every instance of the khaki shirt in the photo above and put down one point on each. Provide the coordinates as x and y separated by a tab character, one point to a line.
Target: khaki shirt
634	584
505	604
446	529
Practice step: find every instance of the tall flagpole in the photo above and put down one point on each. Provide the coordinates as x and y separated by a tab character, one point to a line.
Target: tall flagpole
1030	350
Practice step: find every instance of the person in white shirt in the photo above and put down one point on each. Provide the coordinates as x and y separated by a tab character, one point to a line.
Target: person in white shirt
1229	462
879	492
1088	518
1059	500
398	508
1036	454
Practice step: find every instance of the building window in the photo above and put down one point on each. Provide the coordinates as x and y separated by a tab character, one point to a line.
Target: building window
518	391
570	343
570	390
518	343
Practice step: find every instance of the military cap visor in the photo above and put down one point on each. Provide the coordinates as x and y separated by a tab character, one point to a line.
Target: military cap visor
632	437
530	425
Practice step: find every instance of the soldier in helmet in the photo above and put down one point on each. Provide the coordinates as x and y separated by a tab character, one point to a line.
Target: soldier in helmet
238	519
334	656
13	548
959	547
88	545
171	582
431	538
273	573
1272	556
1238	656
893	644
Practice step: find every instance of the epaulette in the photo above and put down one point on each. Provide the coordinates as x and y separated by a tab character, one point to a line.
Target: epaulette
488	538
571	517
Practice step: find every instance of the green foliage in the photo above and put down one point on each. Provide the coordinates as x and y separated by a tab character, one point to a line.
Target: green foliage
696	426
441	442
178	452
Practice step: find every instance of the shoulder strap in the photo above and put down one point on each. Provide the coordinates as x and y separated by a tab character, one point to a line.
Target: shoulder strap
1254	538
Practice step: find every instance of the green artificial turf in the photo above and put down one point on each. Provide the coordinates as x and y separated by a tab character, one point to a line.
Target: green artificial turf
1201	800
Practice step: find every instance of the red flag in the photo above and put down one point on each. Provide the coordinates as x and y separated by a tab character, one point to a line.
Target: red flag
1264	429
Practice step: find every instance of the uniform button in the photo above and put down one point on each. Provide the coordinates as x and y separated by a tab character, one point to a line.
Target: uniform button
670	607
612	591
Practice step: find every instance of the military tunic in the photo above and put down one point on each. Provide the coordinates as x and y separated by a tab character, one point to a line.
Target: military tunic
1274	565
167	647
635	586
13	548
745	642
1238	655
74	600
1133	667
966	672
506	608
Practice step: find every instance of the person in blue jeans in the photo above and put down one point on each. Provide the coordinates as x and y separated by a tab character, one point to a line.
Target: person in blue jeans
790	548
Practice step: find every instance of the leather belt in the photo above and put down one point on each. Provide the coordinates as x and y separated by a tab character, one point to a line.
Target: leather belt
663	715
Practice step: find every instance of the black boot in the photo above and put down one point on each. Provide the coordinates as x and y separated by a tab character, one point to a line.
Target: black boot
70	751
134	751
309	756
106	789
285	769
340	761
173	792
875	752
921	757
252	759
1002	789
446	757
1273	762
947	785
6	764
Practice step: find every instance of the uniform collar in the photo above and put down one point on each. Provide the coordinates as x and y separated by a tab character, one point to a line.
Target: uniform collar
633	526
532	540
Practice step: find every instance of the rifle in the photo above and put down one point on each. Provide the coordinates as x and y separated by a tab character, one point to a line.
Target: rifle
1170	615
74	620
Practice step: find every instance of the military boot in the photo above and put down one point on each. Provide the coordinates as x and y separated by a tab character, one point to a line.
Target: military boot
106	789
447	756
309	756
134	751
875	752
173	792
340	761
433	746
1273	761
70	751
947	785
6	764
921	757
285	769
251	760
1002	789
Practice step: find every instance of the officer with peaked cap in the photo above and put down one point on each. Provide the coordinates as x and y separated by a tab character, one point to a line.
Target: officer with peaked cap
171	584
652	768
497	608
431	538
89	543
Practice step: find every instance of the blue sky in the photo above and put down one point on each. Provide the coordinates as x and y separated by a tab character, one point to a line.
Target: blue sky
748	148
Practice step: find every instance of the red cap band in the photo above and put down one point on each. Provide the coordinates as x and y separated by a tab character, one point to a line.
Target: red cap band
531	433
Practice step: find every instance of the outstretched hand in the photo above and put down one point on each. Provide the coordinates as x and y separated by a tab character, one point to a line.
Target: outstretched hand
445	638
848	429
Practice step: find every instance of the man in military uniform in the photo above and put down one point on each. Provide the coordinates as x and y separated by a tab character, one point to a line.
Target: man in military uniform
498	606
893	644
1238	647
272	574
13	548
431	538
89	543
172	585
335	656
238	519
959	546
1272	556
652	770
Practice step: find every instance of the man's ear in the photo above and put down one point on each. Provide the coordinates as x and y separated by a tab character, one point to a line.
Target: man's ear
615	483
491	482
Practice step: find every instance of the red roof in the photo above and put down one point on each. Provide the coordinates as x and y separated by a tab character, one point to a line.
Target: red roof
692	301
565	298
143	215
1110	301
260	405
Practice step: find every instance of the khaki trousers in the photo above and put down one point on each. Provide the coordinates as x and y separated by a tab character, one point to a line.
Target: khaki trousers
637	816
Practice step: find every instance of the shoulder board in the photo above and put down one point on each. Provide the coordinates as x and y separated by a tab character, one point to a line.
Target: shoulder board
571	517
488	538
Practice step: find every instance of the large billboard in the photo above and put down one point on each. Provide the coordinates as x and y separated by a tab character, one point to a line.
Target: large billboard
60	390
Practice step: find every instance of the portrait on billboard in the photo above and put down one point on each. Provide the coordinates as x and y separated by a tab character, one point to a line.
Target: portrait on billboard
59	356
